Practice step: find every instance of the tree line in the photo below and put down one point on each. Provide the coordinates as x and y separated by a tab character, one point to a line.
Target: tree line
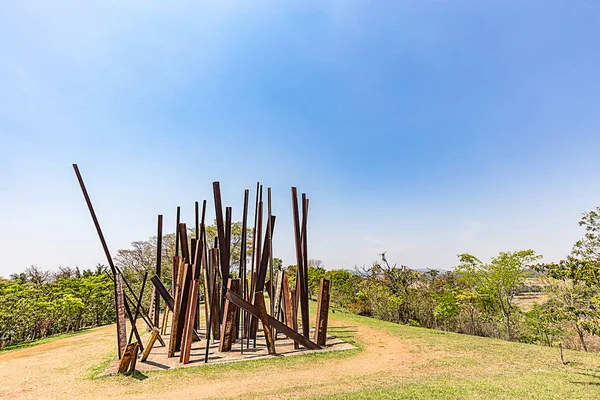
476	297
481	298
35	304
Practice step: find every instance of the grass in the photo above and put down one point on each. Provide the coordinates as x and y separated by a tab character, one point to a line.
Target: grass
470	367
24	345
448	366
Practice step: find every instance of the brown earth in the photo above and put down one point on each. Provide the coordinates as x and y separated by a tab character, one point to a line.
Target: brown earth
63	370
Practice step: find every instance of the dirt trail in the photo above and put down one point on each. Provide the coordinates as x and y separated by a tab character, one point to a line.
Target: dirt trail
61	370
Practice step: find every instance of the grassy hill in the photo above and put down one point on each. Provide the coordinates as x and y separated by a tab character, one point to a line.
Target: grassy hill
393	361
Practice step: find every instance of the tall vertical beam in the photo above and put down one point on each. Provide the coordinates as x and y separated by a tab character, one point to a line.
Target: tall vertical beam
121	327
300	288
109	259
178	220
213	319
259	303
249	296
215	306
304	298
243	263
322	312
264	263
222	238
158	268
270	239
229	313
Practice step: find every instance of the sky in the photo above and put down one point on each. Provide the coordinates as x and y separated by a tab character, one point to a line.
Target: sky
422	128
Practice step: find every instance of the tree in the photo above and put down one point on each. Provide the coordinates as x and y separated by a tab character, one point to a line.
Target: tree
503	277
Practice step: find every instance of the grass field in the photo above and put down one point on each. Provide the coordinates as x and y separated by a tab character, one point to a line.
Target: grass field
393	361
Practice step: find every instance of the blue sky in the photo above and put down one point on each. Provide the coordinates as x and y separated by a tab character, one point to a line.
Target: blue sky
426	129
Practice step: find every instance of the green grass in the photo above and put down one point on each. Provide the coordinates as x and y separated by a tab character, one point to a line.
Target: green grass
469	367
448	366
24	345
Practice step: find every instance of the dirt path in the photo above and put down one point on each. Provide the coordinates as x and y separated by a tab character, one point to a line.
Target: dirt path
61	369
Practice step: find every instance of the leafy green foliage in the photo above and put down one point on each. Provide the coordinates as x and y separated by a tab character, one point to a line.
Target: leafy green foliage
32	309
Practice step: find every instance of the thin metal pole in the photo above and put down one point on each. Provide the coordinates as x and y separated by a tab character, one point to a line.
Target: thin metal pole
158	269
243	263
101	236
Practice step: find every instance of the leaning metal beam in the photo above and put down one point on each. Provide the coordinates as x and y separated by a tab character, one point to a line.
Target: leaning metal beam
120	345
295	336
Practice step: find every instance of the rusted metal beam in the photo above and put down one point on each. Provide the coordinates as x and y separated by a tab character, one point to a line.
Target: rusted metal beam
243	263
153	336
216	307
128	361
274	322
259	302
120	345
176	311
213	323
287	301
162	291
137	306
121	327
322	312
305	316
270	239
178	220
300	287
264	262
229	314
186	341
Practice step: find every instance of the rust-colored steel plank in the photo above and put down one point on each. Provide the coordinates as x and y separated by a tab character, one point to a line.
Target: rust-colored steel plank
127	363
300	263
162	291
305	316
259	302
278	292
222	238
177	222
247	328
270	288
276	324
213	323
185	252
229	312
287	301
243	263
121	327
215	311
174	274
153	336
225	264
294	298
183	306
186	344
322	312
202	260
207	294
264	262
176	311
197	220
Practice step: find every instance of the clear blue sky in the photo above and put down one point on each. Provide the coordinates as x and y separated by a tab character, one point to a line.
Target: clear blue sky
426	129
